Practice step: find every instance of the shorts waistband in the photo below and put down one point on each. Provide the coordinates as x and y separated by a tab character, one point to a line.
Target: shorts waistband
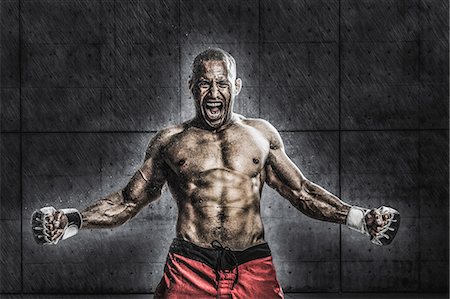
214	257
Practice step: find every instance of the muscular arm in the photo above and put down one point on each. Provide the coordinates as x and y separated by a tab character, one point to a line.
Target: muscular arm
381	224
144	187
287	179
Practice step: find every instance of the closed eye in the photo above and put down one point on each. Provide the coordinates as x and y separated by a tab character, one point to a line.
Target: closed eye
223	84
203	84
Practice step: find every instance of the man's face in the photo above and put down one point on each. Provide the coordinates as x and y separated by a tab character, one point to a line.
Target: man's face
214	92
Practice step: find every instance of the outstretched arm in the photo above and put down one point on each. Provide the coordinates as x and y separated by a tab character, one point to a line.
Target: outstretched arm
311	199
285	177
51	225
144	187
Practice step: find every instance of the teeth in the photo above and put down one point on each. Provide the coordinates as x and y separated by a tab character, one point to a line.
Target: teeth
213	104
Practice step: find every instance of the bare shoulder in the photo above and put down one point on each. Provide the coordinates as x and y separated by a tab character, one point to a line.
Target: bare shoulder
165	135
266	129
163	138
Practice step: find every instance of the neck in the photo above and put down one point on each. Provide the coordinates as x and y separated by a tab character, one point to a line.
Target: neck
199	122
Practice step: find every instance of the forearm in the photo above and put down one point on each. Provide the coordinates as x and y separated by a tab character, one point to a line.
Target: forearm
109	212
51	225
119	207
318	203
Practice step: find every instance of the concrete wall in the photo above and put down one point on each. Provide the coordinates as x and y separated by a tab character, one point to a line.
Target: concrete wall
358	89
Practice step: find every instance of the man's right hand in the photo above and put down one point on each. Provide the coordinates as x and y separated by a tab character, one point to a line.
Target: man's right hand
50	225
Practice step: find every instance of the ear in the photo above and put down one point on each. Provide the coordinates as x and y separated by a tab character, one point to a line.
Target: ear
238	84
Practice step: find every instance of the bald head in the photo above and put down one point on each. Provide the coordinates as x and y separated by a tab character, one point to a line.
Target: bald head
214	54
214	86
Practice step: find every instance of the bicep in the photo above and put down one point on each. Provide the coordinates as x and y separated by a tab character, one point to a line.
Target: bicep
146	184
283	175
144	187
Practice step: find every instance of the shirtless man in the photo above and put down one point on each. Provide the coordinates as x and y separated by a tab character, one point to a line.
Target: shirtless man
215	166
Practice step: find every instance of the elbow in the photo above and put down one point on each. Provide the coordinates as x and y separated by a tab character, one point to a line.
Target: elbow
301	197
113	218
118	223
119	220
297	194
103	223
303	192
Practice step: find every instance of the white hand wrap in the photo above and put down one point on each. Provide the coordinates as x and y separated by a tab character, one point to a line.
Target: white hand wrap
356	219
75	222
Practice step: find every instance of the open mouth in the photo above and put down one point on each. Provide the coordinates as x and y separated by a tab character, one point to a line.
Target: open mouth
213	110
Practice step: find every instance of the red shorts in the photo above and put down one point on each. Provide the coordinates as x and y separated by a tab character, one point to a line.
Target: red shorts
192	271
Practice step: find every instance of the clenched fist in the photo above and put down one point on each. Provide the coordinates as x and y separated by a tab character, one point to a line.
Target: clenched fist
382	225
50	225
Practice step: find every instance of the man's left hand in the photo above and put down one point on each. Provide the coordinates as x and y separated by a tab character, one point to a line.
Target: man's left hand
382	224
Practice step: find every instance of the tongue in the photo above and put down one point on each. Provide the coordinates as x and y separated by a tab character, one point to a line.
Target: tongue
213	113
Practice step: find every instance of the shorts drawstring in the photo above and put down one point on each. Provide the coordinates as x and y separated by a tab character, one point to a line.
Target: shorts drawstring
224	251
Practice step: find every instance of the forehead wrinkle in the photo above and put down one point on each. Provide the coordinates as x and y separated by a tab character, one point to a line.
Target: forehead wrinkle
215	70
214	54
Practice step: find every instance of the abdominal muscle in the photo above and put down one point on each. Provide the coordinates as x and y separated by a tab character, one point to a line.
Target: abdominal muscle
220	205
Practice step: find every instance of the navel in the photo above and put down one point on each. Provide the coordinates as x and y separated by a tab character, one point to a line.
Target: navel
181	162
255	160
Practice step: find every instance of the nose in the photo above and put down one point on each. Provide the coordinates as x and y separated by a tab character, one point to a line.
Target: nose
213	91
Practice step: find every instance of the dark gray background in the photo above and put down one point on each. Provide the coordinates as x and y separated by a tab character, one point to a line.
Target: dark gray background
358	89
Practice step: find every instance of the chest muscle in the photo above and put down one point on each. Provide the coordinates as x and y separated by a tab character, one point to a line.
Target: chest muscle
242	150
